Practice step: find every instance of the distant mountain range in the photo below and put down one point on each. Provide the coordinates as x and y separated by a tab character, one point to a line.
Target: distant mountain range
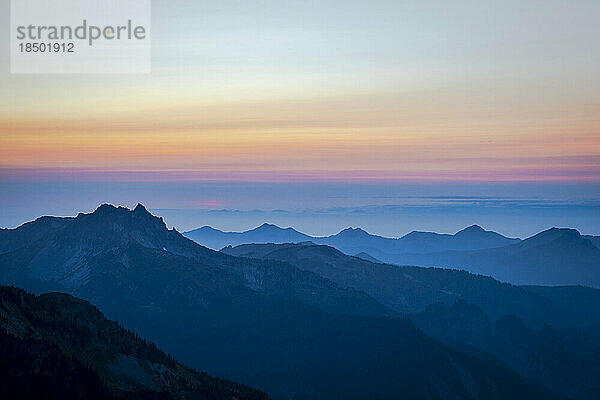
355	240
296	329
266	233
553	257
59	347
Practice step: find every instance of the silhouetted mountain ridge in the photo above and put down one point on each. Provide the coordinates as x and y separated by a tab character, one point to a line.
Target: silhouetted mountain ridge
269	323
357	240
557	256
104	359
265	233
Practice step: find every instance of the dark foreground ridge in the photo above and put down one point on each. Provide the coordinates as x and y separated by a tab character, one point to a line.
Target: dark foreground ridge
59	347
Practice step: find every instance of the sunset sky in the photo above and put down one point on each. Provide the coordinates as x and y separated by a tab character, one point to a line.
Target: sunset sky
310	92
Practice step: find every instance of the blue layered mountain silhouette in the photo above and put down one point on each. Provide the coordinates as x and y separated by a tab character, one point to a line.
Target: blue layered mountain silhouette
306	321
266	233
556	256
356	240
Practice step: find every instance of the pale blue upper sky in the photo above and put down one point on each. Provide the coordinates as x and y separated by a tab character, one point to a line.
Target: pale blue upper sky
505	94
